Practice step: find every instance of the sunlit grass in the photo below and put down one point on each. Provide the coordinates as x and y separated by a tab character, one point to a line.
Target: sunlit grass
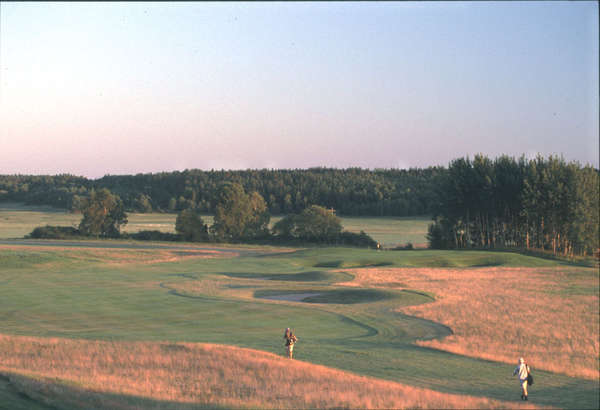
206	374
125	291
547	315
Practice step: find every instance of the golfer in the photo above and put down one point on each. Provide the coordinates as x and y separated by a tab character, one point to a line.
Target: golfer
290	340
522	370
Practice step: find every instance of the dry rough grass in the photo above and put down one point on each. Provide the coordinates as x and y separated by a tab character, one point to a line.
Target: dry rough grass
501	314
206	374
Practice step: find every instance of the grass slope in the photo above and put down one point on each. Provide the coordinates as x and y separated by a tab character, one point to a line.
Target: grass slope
77	373
75	293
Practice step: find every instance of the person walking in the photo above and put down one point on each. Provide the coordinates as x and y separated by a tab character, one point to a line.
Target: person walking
523	371
290	340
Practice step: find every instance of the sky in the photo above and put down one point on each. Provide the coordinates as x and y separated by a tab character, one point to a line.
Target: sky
93	89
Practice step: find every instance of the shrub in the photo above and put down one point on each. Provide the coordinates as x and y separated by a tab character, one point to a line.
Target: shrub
154	236
190	226
357	239
313	224
54	232
408	247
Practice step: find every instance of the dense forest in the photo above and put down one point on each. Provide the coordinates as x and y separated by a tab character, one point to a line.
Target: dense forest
541	203
351	191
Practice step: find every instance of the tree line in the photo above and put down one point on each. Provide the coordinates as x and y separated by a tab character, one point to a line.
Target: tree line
506	202
240	217
540	203
352	191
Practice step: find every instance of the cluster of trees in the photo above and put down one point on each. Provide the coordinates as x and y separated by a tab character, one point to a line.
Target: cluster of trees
244	217
540	203
352	191
61	191
239	217
318	225
103	215
483	203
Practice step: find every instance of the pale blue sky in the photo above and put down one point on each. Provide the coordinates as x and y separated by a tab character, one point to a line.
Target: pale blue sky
121	88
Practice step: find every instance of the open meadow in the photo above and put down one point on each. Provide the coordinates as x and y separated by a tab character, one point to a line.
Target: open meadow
140	324
18	220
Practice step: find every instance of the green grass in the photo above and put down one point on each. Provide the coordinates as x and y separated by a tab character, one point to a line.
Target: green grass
340	258
17	220
311	276
347	296
52	293
391	231
12	398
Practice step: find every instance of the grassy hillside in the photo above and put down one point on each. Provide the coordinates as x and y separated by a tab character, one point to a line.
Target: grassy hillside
185	293
108	375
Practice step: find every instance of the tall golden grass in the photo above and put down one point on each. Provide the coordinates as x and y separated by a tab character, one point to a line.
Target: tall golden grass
548	315
206	374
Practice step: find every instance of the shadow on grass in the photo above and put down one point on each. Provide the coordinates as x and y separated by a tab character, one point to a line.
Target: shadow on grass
24	392
345	296
350	296
313	276
495	380
354	264
578	261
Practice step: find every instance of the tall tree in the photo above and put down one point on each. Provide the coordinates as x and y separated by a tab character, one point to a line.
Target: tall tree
103	214
313	224
584	232
191	227
239	215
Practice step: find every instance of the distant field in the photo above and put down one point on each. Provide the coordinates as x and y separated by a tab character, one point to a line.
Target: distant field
18	220
161	295
391	231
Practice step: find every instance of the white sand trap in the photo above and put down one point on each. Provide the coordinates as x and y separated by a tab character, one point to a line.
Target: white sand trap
292	297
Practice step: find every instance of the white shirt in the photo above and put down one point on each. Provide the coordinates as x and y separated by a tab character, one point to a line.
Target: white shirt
523	371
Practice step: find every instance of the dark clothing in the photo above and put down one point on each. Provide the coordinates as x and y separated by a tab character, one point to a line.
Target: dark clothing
290	340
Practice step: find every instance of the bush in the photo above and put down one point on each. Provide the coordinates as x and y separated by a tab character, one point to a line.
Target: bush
440	235
357	239
190	226
314	224
408	247
154	236
54	232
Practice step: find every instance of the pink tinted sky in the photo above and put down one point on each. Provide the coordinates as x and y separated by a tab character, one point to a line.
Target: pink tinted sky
120	88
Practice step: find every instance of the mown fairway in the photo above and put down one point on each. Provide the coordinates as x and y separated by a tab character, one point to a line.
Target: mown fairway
183	293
